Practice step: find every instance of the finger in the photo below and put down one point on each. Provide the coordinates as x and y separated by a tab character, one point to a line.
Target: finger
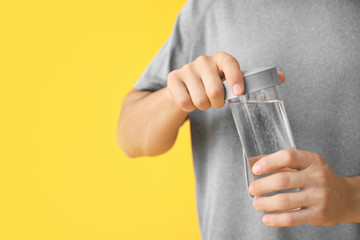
229	67
287	219
195	87
282	201
294	159
179	92
278	181
281	76
211	80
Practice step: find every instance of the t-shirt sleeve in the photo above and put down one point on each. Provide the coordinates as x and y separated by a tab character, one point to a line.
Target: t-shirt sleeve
175	52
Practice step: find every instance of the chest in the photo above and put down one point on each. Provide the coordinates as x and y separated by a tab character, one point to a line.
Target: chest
316	44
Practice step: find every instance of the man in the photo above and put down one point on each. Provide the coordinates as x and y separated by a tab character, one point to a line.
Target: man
317	45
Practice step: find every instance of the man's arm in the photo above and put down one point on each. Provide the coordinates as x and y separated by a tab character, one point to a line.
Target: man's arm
149	123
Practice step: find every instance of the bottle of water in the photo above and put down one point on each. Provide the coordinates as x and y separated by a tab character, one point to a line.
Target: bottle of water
260	119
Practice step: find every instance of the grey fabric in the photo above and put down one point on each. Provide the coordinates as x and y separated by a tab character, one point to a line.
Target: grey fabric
317	45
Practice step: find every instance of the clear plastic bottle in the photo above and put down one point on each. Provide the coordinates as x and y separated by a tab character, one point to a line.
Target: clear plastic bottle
260	118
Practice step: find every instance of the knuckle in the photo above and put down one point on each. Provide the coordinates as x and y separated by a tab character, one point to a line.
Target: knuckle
228	59
317	156
284	201
187	67
219	105
215	92
201	102
323	197
202	60
184	102
289	220
283	154
225	57
321	177
173	76
220	54
287	155
319	160
283	180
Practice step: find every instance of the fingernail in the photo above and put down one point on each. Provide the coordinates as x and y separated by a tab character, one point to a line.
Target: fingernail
256	169
265	219
237	89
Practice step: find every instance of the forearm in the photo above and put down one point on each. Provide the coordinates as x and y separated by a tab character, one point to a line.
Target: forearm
149	124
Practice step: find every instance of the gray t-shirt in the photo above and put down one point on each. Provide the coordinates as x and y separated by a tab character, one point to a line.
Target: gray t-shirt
317	45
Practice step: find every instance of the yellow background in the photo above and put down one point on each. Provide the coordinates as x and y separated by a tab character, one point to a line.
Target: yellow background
65	67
